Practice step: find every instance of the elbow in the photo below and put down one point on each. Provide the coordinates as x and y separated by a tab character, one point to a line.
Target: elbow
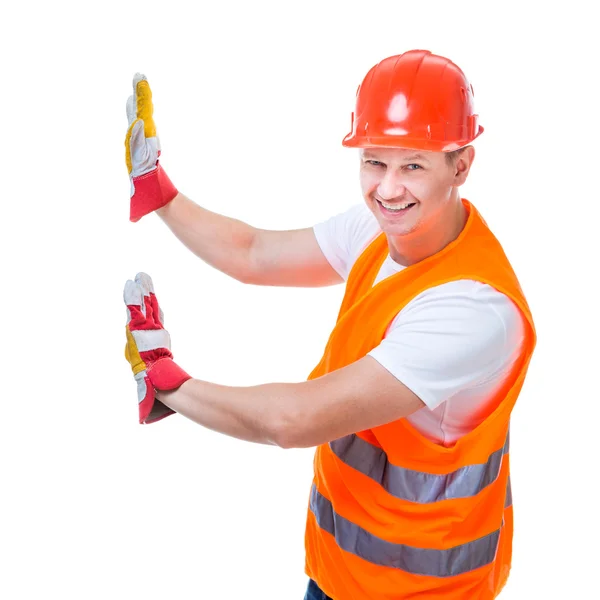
247	276
292	430
284	440
250	271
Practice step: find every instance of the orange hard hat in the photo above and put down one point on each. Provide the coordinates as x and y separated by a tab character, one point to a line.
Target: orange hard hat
414	100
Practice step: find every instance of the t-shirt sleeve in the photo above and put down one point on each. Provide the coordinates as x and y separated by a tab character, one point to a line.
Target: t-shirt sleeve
450	338
344	236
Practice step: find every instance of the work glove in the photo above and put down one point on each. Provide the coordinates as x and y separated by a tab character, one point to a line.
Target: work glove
148	349
150	187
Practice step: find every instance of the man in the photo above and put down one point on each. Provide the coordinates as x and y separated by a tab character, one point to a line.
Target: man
410	404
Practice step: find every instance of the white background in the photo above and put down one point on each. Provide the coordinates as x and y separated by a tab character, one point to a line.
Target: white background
252	100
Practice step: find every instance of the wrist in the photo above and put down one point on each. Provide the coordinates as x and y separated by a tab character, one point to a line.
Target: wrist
164	211
151	191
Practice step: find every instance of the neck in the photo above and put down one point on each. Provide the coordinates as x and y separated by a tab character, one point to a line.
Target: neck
429	239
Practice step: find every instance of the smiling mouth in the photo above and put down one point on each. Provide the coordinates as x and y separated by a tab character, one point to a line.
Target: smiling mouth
395	208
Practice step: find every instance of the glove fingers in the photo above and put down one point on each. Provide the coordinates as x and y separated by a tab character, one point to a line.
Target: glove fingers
143	103
142	146
156	311
131	110
144	281
136	79
150	295
135	143
131	106
134	299
134	99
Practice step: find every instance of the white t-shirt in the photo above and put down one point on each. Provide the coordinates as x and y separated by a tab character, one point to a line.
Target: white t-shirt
453	345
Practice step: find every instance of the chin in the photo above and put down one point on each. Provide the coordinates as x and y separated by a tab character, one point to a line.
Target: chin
397	230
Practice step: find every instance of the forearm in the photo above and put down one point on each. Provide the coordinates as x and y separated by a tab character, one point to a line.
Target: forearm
260	414
222	242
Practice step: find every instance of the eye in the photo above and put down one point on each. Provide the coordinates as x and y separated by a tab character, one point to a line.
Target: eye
413	167
375	163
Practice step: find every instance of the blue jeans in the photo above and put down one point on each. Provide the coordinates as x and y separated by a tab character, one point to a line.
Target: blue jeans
314	592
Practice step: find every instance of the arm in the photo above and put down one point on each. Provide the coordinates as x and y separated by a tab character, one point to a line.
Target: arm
448	339
298	415
246	253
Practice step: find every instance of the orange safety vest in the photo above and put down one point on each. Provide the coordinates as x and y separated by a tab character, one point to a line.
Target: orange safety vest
392	515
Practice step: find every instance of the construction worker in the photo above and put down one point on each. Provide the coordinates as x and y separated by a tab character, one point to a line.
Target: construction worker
410	404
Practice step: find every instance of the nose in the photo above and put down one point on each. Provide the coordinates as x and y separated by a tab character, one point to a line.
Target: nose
390	186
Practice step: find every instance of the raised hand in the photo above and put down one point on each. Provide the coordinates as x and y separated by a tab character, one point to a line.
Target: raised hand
150	187
148	349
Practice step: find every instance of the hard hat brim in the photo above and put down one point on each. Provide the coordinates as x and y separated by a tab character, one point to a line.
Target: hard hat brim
403	141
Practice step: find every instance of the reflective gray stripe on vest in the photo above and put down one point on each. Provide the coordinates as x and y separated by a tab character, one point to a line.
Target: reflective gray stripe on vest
418	561
508	501
417	486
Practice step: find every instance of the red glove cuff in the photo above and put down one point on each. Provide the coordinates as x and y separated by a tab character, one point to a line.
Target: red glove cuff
153	410
152	191
165	374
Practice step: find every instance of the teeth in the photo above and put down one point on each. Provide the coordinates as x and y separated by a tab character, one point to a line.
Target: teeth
396	206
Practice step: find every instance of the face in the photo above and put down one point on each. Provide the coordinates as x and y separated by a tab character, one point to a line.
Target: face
408	190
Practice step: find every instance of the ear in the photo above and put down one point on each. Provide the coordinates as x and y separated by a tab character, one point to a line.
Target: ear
463	165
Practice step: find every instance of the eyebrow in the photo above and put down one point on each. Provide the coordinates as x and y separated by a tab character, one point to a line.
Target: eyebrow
415	156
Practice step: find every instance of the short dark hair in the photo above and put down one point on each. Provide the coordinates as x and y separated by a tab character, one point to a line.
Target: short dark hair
452	157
